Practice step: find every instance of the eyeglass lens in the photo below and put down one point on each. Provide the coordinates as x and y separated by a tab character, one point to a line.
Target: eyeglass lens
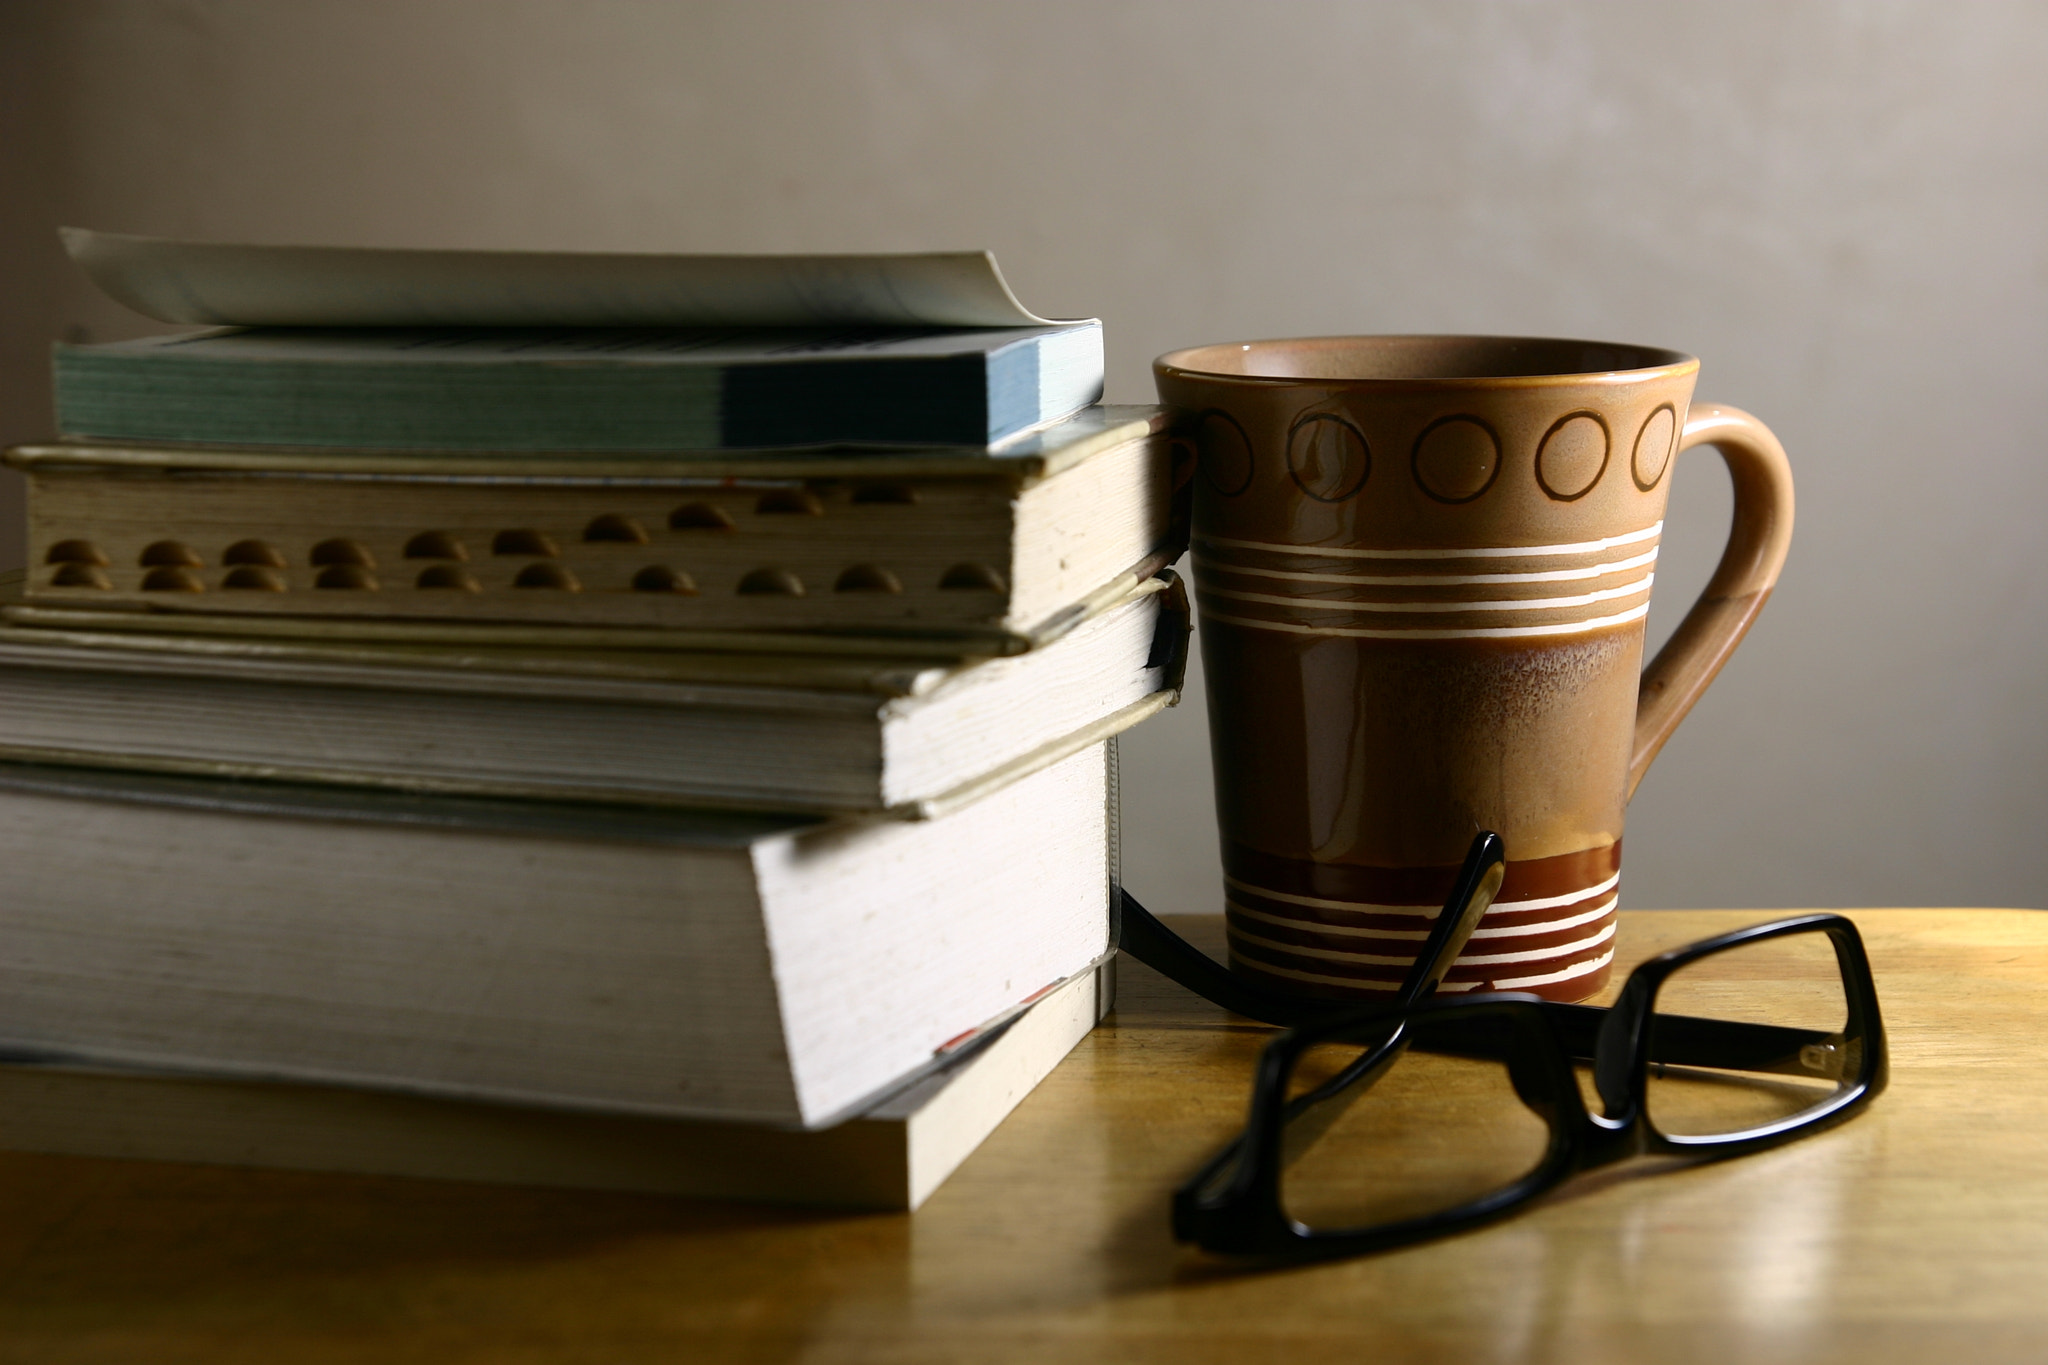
1433	1132
1791	982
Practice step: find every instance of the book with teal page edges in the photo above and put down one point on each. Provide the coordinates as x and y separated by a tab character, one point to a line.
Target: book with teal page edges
374	349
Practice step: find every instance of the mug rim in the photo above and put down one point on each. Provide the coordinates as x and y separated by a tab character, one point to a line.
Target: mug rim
1199	363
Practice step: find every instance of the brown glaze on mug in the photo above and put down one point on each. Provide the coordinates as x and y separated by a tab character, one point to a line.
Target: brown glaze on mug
1422	566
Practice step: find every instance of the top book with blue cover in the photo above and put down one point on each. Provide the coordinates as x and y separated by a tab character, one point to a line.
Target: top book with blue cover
374	349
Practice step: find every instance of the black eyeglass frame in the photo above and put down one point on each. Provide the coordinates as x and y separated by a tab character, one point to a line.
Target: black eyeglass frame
1234	1206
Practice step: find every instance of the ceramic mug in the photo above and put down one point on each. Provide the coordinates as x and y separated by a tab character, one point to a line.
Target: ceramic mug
1422	567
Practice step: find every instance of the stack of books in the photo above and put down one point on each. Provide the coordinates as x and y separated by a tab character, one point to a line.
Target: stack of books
629	722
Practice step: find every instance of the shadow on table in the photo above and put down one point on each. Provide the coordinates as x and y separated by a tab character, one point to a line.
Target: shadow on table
108	1251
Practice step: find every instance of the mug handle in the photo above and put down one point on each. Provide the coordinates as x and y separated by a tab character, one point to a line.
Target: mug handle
1757	541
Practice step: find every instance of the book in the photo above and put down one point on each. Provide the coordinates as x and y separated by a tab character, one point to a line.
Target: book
510	351
569	389
1006	547
788	732
890	1157
605	959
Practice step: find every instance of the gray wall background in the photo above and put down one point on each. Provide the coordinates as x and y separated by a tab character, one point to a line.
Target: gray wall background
1839	206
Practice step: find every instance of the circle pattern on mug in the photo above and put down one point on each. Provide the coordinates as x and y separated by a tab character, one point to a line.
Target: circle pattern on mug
1224	453
1328	457
1653	447
1572	456
1456	458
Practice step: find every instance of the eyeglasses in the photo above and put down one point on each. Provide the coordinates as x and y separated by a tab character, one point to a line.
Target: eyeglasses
1378	1126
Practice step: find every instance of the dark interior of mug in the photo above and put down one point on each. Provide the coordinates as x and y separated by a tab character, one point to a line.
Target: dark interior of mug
1418	358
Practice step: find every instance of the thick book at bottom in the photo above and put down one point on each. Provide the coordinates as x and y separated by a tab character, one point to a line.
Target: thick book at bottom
891	1157
612	959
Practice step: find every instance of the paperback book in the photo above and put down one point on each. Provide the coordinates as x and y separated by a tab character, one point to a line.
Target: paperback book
1007	547
533	351
784	732
614	960
890	1156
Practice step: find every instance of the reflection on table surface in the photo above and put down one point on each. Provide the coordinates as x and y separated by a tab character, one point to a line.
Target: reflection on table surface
1919	1228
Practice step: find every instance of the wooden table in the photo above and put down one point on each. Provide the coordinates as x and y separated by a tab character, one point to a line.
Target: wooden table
1918	1232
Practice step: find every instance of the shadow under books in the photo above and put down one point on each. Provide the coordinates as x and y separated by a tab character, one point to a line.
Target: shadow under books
136	1240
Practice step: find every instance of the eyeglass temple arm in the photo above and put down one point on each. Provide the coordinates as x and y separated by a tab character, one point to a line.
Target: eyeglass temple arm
1479	880
1306	1117
1727	1044
1142	936
1139	933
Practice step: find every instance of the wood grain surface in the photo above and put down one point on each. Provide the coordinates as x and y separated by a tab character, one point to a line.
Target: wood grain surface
1916	1232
